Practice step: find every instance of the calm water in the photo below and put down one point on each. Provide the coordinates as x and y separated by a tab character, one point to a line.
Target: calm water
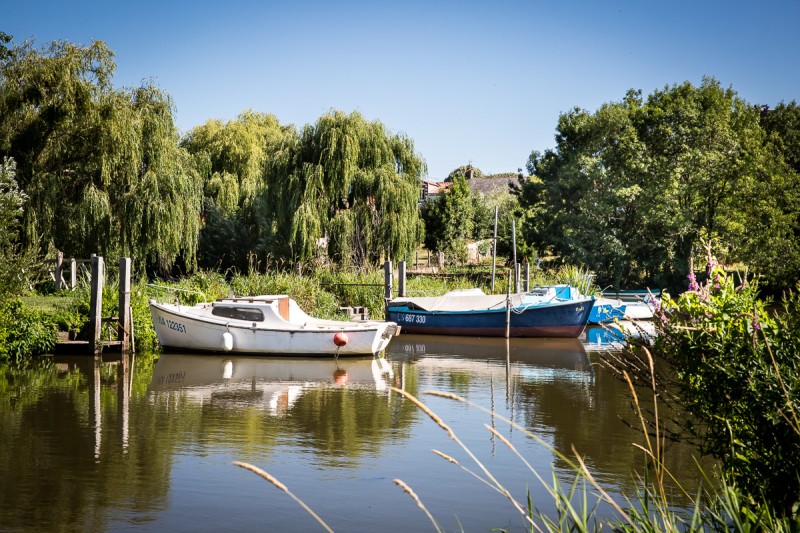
148	444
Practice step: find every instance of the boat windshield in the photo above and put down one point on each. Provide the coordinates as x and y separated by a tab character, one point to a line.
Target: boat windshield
238	313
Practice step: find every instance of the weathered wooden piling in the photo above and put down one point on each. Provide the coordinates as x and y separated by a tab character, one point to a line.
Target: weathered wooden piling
124	320
388	276
401	279
96	304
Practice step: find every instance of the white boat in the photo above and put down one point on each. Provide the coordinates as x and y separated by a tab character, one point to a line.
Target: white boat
264	325
639	304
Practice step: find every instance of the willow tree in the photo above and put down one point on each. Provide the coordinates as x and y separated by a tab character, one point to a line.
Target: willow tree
231	157
347	185
101	167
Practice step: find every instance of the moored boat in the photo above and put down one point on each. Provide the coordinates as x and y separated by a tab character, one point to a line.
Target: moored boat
607	310
639	304
266	325
553	311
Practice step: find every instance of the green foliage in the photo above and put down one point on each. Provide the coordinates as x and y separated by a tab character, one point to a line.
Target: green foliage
633	189
737	375
231	158
449	221
768	223
464	171
23	332
346	179
101	168
13	262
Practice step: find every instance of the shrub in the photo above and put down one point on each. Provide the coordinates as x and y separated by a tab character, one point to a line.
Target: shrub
24	332
737	373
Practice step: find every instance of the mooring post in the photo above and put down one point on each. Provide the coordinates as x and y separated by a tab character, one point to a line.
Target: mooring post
388	275
401	279
96	303
124	303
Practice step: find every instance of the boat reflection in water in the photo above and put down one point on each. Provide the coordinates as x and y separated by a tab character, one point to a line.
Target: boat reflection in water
533	359
273	383
613	336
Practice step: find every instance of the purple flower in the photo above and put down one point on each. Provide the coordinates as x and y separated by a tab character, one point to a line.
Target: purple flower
711	264
693	286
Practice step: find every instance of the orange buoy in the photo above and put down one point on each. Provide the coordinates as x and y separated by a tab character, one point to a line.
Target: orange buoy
340	339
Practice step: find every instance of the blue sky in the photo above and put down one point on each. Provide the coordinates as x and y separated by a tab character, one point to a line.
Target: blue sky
468	81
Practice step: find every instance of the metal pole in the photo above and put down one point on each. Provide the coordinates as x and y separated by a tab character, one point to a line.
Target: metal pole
494	247
508	307
527	270
514	238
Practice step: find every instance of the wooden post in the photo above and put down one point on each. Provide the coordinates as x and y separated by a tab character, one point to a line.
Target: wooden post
416	260
494	247
388	275
401	279
124	303
441	261
96	303
59	269
73	274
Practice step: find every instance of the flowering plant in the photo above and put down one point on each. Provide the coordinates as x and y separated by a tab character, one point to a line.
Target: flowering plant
736	359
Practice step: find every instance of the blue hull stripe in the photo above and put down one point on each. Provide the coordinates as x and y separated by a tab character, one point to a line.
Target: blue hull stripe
558	320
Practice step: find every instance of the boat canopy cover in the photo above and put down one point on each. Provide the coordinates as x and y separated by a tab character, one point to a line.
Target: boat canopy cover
475	300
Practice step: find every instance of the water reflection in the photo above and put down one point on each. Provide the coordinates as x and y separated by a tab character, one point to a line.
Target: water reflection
273	384
150	441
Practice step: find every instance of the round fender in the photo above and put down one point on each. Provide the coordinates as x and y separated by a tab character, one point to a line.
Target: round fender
340	339
227	341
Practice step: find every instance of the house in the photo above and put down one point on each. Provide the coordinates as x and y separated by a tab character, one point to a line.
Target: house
432	189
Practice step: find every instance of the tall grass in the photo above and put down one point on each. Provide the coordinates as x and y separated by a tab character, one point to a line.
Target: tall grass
578	503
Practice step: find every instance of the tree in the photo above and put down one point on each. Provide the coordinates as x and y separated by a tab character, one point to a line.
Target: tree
231	158
101	167
449	220
768	226
634	189
346	181
12	201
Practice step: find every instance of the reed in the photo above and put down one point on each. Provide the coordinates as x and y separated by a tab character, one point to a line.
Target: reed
408	490
280	486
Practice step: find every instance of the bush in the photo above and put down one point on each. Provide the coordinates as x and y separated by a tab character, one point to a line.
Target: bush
23	332
737	372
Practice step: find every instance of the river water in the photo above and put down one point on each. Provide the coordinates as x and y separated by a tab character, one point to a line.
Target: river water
149	443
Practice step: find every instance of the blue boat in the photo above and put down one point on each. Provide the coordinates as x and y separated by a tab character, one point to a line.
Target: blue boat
554	311
607	310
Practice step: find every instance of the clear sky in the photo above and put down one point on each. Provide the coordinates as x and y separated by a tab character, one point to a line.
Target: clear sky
468	81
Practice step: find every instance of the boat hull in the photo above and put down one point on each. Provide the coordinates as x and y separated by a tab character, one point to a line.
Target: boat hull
567	319
182	331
